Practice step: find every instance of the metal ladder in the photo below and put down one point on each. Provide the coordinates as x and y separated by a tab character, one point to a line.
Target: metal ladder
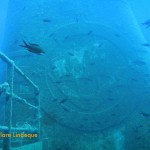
7	89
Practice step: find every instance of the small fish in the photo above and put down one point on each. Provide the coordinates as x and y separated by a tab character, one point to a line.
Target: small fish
23	8
147	23
92	63
110	99
63	100
85	119
53	67
140	126
58	82
98	122
33	48
104	147
55	40
139	63
147	115
47	20
67	75
70	54
113	114
81	126
15	41
146	44
66	37
116	35
76	19
143	147
134	80
65	108
138	138
52	34
54	99
90	32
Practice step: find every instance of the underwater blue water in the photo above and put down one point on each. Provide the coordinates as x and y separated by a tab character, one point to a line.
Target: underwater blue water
90	60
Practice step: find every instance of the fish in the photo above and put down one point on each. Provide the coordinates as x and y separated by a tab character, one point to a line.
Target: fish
55	40
53	67
58	82
116	35
66	37
92	63
63	100
65	108
134	80
104	147
33	48
110	99
47	20
146	44
76	19
113	114
90	32
98	122
143	147
147	115
15	41
147	23
138	138
52	34
67	75
54	99
70	54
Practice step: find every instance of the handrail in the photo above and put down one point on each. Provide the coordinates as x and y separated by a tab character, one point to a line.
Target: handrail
7	89
4	89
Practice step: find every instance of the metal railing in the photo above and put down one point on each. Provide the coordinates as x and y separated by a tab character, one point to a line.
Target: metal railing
7	89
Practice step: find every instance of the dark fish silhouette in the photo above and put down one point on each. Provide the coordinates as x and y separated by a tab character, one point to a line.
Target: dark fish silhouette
65	108
110	99
76	19
90	32
147	23
58	82
147	115
54	67
70	54
66	37
47	20
138	138
52	34
33	48
116	35
55	40
146	44
63	101
67	75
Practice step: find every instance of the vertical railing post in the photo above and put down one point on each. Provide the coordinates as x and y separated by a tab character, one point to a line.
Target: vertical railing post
38	112
8	108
